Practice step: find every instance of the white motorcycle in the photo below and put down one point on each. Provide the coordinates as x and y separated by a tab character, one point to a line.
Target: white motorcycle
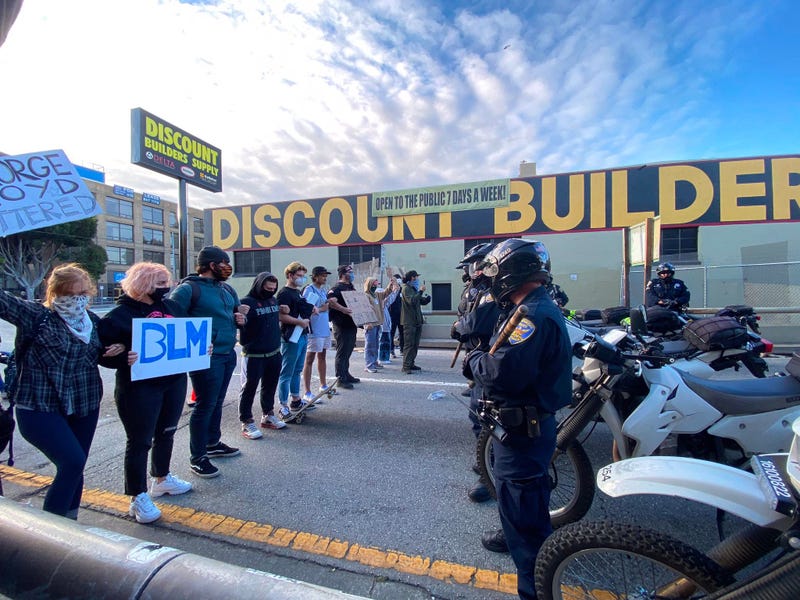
651	406
615	560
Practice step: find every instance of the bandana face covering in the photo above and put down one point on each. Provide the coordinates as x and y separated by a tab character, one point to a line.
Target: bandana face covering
222	271
72	309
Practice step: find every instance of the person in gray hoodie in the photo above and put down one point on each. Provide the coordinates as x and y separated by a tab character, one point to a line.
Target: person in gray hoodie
207	295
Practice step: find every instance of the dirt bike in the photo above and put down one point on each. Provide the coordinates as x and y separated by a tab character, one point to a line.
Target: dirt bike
649	406
616	560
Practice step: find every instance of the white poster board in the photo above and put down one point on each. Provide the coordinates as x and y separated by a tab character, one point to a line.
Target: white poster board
359	304
169	346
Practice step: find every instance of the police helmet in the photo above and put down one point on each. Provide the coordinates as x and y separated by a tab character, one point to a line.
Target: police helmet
515	262
474	254
666	268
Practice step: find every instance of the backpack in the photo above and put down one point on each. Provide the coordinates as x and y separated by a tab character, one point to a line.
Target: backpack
21	346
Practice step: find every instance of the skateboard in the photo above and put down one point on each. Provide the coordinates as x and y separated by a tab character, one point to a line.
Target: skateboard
297	417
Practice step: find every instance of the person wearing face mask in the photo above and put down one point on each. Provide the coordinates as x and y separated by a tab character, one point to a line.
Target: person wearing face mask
207	295
261	355
344	328
149	409
372	330
413	297
296	313
319	338
58	387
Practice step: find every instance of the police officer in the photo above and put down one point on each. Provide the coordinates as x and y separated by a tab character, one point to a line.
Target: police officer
525	382
667	291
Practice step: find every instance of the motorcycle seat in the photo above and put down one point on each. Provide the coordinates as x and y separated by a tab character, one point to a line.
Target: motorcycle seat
745	396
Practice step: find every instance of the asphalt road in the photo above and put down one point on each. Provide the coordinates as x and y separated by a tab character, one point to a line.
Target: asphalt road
381	471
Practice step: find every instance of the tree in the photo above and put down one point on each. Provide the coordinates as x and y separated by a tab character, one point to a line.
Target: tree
28	256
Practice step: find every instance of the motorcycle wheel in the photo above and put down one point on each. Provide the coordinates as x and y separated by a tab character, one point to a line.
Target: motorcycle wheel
614	560
571	480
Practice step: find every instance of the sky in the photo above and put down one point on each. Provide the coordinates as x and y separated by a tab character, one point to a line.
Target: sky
321	98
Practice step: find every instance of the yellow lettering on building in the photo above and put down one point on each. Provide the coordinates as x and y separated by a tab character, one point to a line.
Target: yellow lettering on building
731	191
575	209
415	224
597	199
306	233
247	227
445	225
783	192
362	222
620	214
218	218
262	222
668	179
522	206
343	207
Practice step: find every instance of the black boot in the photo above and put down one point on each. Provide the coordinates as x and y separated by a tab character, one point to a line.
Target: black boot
479	493
495	541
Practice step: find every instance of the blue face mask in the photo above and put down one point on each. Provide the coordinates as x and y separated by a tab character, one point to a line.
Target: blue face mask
415	284
351	277
298	281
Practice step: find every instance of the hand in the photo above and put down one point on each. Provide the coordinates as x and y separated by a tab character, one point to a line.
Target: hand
114	350
348	311
244	309
421	289
304	323
239	318
315	311
132	357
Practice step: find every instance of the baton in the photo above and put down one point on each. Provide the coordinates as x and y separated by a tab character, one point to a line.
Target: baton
509	328
456	353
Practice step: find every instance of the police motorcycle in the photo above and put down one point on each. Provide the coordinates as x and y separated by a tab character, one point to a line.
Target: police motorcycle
617	560
652	403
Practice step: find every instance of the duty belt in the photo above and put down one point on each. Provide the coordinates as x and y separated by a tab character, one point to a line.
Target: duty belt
522	419
267	355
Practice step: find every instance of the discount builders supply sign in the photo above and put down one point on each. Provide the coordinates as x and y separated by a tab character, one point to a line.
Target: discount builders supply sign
169	346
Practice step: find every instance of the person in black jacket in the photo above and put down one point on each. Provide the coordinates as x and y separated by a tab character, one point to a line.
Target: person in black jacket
261	355
666	291
148	408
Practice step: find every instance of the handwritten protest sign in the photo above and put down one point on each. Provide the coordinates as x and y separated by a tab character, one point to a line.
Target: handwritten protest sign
362	311
442	198
168	346
41	189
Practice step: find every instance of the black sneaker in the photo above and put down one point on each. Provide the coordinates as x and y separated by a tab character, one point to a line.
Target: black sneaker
346	385
352	379
204	468
479	493
415	368
495	541
220	450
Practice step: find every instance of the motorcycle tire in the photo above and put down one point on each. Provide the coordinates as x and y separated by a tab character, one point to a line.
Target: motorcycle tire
571	479
616	560
757	366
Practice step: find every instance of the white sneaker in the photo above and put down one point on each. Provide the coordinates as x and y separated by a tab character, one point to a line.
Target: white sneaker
386	362
308	397
251	431
171	485
273	422
143	509
324	388
284	411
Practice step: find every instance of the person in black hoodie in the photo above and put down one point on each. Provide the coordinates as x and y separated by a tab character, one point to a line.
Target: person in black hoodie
260	339
149	408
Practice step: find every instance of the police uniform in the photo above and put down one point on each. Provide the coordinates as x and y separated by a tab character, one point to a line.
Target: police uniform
667	289
528	377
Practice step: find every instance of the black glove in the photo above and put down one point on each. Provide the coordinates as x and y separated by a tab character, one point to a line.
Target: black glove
466	369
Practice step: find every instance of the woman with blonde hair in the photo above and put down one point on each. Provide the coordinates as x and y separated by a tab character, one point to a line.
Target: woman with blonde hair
58	389
148	408
372	330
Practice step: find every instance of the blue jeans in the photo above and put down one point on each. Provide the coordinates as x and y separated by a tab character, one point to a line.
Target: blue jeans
371	338
293	357
210	386
65	440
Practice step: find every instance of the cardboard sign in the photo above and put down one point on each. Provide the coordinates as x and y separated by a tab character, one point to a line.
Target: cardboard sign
41	189
358	302
169	346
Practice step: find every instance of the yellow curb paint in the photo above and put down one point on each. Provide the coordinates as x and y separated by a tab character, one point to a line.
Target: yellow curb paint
305	542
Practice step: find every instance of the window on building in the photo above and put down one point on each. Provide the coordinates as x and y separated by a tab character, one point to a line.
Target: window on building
198	225
152	256
119	208
152	215
358	254
119	256
679	245
173	220
199	243
441	298
251	262
153	237
119	232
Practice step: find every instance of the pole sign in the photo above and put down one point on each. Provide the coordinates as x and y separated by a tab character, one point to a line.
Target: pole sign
41	189
162	147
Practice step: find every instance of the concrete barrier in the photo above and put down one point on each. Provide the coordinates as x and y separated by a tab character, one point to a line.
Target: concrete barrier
45	556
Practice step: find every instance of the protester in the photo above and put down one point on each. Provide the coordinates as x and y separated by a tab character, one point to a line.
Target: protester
372	329
58	389
413	296
261	356
386	342
207	295
395	309
319	338
344	328
149	409
293	343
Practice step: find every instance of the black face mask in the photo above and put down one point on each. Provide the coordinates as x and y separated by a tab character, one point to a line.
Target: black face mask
158	294
266	294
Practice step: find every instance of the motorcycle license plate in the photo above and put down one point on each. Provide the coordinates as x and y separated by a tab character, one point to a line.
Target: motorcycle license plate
771	474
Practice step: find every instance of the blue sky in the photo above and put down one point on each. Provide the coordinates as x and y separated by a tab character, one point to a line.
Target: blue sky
322	98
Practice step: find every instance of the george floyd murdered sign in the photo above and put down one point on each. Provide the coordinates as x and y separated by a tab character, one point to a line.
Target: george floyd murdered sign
41	189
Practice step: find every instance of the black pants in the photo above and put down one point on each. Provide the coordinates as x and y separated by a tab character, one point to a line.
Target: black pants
257	370
345	344
396	327
149	411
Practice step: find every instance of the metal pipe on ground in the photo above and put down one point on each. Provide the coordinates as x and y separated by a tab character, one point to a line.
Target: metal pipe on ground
46	556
